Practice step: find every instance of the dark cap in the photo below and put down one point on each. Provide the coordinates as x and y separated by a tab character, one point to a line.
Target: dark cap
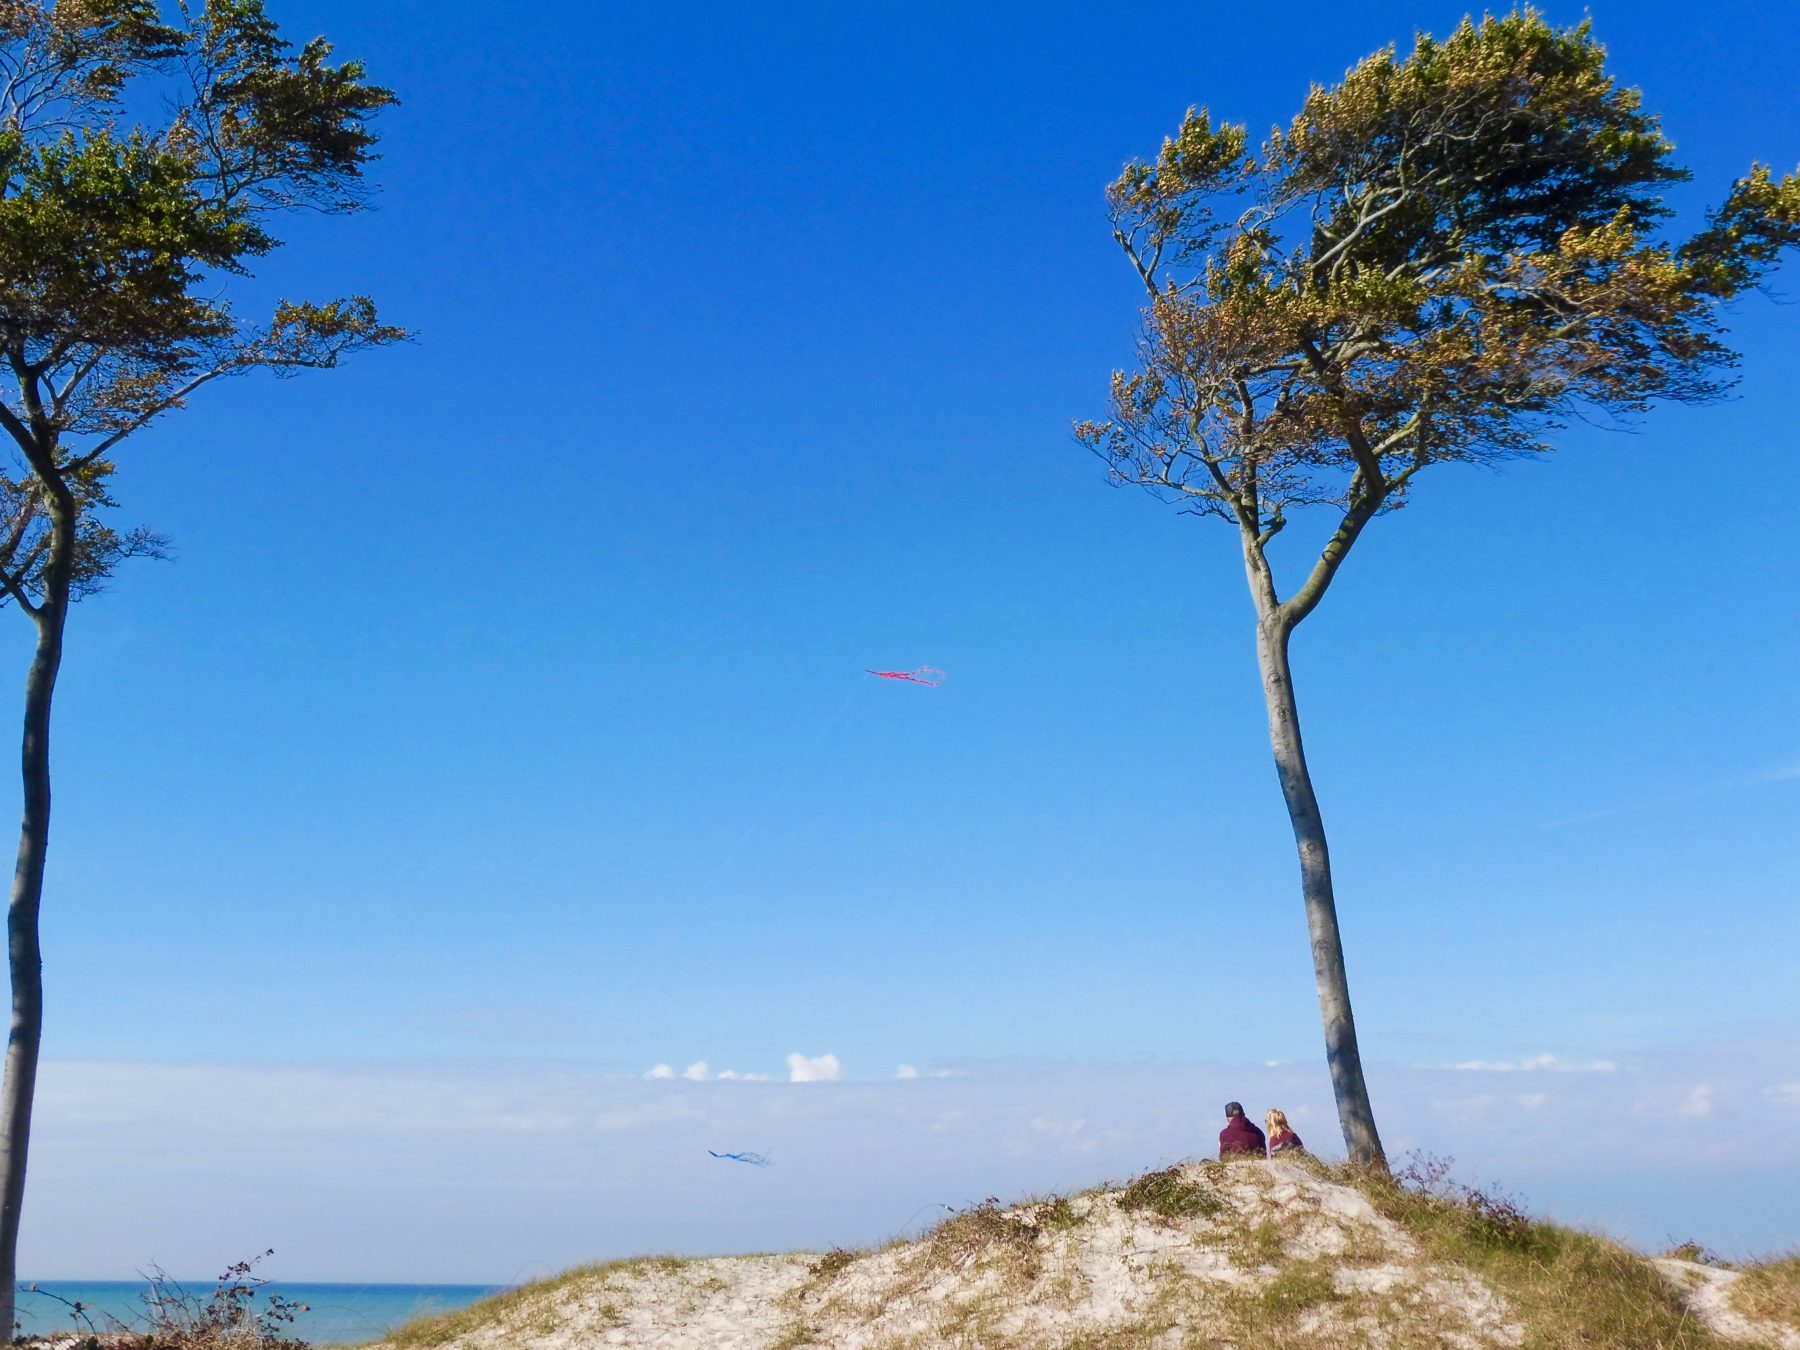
1233	1109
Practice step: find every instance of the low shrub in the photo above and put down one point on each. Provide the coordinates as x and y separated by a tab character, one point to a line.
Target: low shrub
831	1263
1697	1253
1170	1195
228	1318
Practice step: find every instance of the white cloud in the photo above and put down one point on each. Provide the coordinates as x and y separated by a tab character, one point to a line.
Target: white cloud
817	1069
906	1071
1786	1093
696	1072
661	1071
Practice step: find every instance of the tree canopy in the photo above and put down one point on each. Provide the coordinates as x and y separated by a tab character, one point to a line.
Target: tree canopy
1442	258
117	232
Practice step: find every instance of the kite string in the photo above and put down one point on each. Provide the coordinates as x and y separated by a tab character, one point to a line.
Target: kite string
769	801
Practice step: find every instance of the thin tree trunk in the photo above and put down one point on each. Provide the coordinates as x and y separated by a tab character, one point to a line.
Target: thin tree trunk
1354	1113
24	955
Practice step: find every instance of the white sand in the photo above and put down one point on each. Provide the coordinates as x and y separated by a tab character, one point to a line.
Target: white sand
1708	1291
1283	1243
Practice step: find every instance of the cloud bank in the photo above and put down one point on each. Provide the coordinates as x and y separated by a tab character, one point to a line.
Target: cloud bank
494	1173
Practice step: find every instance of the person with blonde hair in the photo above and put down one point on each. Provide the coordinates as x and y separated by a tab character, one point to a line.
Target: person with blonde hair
1282	1138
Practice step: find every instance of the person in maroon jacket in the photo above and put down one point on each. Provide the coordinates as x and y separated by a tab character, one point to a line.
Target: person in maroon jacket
1240	1138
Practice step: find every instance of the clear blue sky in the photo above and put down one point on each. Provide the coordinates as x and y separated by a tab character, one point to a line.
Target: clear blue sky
504	702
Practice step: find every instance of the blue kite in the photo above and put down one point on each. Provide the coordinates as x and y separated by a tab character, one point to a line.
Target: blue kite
754	1159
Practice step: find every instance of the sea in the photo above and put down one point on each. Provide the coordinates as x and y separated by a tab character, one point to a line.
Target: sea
337	1314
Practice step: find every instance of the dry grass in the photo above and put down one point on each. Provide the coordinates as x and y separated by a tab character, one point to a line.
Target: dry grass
1769	1291
529	1308
1190	1258
980	1233
833	1261
1568	1288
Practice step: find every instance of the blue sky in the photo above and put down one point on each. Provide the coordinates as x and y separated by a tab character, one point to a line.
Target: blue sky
503	711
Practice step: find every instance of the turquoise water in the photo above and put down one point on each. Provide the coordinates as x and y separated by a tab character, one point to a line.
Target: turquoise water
338	1314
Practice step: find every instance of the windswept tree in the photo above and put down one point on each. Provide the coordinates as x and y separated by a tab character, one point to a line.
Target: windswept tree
1440	260
118	238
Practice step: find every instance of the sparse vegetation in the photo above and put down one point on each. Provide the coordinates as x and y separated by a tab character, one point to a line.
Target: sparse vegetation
229	1317
1769	1291
1058	1215
1295	1255
1259	1244
526	1306
1170	1195
796	1336
1697	1253
1568	1287
980	1231
1294	1290
838	1258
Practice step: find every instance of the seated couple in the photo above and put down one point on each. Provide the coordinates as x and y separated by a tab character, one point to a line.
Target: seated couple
1241	1139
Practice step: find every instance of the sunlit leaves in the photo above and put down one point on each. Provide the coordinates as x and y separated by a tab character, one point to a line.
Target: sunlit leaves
1440	258
116	240
103	240
1171	198
1743	238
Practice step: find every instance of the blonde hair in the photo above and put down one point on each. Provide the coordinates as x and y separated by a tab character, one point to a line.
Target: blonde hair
1276	1121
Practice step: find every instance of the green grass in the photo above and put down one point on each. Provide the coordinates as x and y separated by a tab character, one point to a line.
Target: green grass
1059	1215
1171	1196
1303	1285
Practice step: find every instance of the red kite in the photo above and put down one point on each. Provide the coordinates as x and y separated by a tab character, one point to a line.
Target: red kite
923	675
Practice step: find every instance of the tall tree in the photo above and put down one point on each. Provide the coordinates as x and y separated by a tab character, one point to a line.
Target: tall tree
1440	260
117	236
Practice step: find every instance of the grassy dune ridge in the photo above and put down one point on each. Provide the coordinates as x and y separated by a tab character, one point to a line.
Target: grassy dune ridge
1290	1255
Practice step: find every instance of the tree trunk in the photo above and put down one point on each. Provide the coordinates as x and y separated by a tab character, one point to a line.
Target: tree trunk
1354	1113
23	953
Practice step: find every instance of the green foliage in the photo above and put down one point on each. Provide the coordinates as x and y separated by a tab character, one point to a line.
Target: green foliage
1441	258
116	241
1171	1195
1058	1215
1745	236
103	241
1294	1290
